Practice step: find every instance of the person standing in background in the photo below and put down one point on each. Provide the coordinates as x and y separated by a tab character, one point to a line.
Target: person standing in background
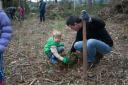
42	10
5	37
10	11
21	11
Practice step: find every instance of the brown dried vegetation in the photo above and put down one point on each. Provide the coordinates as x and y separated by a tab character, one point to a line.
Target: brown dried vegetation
26	64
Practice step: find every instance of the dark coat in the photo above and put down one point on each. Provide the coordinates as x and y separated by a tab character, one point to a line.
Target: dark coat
95	30
42	6
10	11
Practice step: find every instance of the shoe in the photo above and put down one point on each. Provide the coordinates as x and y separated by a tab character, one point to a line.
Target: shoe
99	56
53	59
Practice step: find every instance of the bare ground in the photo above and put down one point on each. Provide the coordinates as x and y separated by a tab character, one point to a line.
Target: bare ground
26	64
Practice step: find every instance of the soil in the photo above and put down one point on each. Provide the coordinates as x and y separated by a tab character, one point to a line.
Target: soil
26	64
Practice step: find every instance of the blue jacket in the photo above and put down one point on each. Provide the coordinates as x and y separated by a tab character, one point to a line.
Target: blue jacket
5	31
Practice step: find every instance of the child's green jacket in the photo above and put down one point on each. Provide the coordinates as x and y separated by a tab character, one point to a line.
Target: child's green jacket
50	42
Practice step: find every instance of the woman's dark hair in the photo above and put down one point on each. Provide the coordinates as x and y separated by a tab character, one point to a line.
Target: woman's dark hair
72	20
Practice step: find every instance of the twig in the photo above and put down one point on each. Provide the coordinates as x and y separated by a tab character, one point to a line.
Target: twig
34	80
48	80
117	53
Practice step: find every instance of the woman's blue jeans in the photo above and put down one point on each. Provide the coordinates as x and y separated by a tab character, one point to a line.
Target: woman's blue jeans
93	46
52	57
1	67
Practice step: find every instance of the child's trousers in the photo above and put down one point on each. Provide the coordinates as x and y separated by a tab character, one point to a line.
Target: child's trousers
52	57
1	69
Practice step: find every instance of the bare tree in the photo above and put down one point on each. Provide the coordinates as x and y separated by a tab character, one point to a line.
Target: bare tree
90	3
56	1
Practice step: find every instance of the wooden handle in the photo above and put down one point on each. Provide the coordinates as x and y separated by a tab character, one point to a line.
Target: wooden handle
84	51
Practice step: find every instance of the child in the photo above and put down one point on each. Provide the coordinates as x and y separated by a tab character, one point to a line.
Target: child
21	11
5	36
53	47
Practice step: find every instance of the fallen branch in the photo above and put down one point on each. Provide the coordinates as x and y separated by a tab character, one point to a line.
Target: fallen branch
34	80
48	80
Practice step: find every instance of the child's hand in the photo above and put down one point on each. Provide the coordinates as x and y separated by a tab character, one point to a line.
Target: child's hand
66	60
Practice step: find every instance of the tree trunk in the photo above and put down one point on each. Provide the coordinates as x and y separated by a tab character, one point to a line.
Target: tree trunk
90	3
80	1
56	1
